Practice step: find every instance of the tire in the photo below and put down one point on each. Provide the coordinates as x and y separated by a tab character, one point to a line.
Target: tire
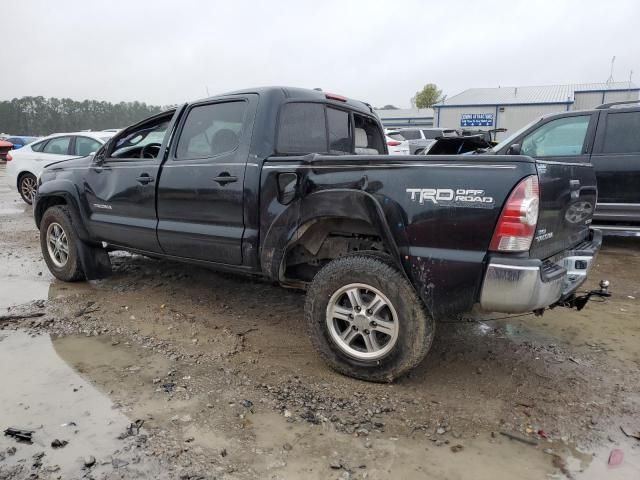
27	186
388	355
55	220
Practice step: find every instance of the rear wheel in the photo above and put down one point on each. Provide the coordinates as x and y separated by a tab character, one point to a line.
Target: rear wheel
28	185
366	320
58	244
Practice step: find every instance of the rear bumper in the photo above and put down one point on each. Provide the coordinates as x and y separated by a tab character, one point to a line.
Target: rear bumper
523	285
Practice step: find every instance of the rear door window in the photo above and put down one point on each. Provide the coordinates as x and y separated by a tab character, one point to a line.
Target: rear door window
211	130
57	146
561	137
302	128
622	133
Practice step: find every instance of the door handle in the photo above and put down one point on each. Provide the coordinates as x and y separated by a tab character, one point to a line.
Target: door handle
144	179
225	178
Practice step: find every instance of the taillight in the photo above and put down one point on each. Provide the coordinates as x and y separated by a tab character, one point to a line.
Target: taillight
517	223
393	143
9	157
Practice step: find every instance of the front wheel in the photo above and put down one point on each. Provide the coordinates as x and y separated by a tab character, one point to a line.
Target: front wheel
58	244
366	320
28	185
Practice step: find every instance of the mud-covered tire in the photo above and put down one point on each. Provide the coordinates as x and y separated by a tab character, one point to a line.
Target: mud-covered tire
27	185
415	327
71	270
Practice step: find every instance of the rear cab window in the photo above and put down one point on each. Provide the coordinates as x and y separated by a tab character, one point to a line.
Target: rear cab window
302	129
306	127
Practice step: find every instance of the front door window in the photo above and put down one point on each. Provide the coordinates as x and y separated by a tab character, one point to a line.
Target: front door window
563	137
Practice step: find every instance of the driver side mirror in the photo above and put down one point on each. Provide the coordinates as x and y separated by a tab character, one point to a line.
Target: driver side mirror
514	149
100	154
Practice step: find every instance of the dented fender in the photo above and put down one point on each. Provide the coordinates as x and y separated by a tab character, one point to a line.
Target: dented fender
293	221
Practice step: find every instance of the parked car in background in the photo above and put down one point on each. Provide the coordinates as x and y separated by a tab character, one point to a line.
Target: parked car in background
19	142
4	149
397	147
607	137
421	138
24	165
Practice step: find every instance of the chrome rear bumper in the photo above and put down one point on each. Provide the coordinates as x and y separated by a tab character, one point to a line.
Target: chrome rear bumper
523	285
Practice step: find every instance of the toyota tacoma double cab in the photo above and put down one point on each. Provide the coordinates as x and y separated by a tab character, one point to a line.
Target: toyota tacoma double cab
296	186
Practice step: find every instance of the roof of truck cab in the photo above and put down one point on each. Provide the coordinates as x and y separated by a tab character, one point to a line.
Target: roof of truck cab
290	93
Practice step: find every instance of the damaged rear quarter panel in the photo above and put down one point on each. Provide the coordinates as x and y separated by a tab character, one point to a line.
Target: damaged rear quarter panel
441	243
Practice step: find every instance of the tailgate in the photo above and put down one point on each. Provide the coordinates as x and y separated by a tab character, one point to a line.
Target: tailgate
568	196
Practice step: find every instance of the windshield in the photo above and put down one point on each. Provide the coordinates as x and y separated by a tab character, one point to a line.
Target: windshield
513	136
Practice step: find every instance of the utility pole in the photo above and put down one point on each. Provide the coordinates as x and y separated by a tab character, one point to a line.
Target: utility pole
610	79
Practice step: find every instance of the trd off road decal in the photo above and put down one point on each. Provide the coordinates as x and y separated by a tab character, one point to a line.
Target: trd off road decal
460	197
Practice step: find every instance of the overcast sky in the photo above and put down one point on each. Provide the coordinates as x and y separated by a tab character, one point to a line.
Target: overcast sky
165	52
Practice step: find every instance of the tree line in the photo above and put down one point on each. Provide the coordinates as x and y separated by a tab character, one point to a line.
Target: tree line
39	116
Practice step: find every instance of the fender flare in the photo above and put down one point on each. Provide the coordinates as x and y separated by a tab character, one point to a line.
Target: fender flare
291	224
66	190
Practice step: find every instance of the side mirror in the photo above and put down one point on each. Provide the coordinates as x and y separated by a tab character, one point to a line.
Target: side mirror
92	153
514	149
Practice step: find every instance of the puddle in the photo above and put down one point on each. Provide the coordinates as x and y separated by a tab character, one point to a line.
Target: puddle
40	392
16	290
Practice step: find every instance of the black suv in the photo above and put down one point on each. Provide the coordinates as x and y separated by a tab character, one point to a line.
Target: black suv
608	137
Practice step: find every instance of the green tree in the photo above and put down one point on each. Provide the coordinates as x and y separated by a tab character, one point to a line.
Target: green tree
389	107
428	96
44	116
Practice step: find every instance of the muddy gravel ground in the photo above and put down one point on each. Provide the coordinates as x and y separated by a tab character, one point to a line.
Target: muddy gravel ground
172	371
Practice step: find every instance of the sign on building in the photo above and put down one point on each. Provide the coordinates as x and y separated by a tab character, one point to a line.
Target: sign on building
476	120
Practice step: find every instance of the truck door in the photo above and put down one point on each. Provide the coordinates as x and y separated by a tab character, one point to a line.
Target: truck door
120	185
200	194
616	159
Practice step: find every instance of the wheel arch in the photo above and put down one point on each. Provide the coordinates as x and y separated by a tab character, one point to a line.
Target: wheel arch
350	210
57	193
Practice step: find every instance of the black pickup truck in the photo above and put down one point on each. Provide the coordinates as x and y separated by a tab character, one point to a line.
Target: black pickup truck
296	186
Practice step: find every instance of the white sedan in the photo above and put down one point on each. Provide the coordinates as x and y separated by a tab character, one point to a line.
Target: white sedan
396	144
25	165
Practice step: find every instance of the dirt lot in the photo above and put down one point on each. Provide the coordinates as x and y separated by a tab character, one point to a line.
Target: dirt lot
222	382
